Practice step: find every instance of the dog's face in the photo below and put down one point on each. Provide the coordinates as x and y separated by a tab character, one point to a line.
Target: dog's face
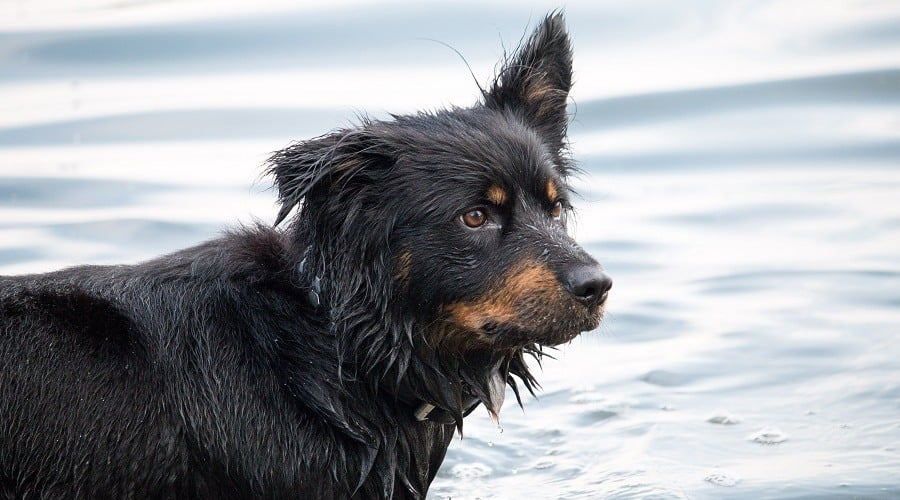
481	241
463	211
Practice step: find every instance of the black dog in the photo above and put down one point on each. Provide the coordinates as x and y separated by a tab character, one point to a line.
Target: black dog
334	358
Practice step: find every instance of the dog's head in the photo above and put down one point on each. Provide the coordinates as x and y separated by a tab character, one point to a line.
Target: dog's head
452	224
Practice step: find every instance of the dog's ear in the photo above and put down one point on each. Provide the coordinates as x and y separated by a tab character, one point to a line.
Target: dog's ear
315	167
535	81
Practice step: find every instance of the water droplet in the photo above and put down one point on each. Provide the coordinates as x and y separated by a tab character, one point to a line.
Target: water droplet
664	378
720	478
544	464
723	418
768	435
470	471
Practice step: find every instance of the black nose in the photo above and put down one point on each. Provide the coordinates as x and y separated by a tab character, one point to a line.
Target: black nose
588	284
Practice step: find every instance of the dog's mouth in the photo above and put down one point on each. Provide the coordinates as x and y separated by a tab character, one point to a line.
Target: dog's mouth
526	325
534	327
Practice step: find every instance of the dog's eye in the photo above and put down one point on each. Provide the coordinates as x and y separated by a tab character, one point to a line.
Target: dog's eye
556	211
474	218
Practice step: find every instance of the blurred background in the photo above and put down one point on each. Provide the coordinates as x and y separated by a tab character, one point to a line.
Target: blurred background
741	183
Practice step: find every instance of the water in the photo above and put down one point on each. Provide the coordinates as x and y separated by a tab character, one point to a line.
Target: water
741	184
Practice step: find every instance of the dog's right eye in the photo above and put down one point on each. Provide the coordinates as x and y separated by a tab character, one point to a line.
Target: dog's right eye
474	218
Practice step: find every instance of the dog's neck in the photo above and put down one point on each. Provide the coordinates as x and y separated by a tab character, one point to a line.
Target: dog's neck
434	383
438	387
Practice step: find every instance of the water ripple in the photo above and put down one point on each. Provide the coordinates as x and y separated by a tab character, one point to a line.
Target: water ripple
878	87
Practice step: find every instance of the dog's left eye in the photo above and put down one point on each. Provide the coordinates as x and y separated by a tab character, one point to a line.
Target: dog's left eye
474	218
556	211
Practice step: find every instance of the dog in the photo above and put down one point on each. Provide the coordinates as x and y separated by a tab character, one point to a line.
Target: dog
416	262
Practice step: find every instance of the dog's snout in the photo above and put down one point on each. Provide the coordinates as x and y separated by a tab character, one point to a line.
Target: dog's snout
588	284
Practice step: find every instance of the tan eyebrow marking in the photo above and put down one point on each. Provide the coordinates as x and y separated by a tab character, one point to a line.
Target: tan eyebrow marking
552	191
496	195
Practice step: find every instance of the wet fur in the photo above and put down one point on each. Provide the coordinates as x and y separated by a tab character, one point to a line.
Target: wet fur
275	363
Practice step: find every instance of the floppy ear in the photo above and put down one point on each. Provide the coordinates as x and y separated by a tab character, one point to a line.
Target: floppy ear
535	81
311	168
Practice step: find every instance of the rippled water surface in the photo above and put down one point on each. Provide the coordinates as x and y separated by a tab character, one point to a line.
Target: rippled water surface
741	184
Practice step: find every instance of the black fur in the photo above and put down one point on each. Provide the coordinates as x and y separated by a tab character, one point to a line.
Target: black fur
290	363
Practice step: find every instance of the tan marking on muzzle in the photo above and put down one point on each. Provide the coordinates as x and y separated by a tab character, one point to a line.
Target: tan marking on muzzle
528	283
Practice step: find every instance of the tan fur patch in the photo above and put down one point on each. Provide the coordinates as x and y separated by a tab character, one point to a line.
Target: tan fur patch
496	195
529	282
348	164
552	191
344	170
404	262
538	91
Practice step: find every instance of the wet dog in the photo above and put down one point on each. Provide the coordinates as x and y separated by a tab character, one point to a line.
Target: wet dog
422	259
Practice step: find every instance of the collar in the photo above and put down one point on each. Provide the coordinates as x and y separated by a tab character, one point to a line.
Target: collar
314	291
423	411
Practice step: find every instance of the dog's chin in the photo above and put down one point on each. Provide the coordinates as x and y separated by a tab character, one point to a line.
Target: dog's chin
549	333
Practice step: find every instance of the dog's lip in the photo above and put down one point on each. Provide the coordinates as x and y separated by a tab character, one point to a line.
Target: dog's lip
495	332
587	324
550	330
571	336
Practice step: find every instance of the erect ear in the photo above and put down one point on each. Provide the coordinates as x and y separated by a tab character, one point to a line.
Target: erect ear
318	166
535	81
